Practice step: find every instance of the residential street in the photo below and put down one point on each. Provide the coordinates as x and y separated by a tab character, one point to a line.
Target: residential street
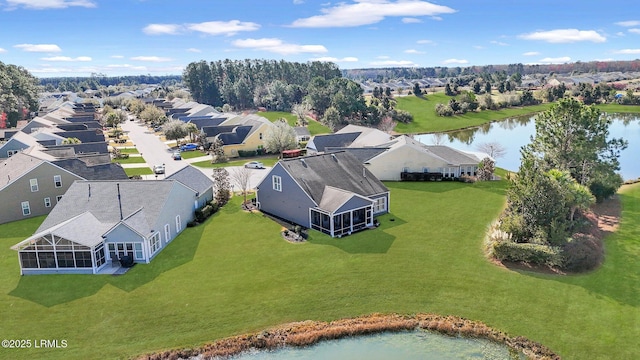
155	152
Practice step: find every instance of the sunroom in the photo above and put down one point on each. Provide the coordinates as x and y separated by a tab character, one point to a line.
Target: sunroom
341	213
72	247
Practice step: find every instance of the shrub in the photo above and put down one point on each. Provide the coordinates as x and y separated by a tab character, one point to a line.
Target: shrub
529	253
582	253
247	153
444	110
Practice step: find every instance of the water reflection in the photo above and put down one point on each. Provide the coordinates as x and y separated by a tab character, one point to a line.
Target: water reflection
513	133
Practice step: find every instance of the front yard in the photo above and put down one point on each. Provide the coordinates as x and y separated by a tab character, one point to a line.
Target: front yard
235	274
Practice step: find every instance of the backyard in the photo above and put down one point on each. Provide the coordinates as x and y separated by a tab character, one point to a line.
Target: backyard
235	274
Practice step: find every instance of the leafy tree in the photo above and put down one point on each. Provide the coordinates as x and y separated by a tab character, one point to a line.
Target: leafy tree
279	137
153	115
18	93
242	177
448	91
71	140
175	130
222	186
191	130
575	137
477	87
486	168
487	87
217	151
416	90
331	118
301	111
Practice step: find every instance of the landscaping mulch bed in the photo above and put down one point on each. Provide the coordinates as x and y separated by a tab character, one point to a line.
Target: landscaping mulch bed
310	332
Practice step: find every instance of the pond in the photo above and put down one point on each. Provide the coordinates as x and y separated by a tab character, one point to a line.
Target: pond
404	345
514	133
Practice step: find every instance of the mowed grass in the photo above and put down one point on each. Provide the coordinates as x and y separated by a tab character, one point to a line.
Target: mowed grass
425	119
138	171
269	160
617	108
235	274
130	160
314	127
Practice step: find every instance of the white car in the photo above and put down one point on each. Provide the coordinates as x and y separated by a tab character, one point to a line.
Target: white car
158	169
254	165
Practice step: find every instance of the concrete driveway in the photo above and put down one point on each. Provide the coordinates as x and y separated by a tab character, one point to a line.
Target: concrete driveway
156	152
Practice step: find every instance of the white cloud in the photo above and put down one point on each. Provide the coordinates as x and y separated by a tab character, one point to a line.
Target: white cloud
223	27
39	47
298	2
565	36
336	60
634	31
159	29
455	61
494	42
367	12
531	53
620	33
436	18
278	46
383	57
410	20
117	57
413	51
2	50
607	59
150	58
127	66
628	23
402	63
49	4
478	47
66	58
558	60
194	50
628	51
425	41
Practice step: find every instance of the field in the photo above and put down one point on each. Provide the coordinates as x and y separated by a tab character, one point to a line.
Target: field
314	127
235	274
425	119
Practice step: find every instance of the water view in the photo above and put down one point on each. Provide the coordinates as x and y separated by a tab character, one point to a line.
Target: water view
513	133
405	345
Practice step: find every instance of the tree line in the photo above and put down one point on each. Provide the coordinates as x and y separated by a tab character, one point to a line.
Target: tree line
18	94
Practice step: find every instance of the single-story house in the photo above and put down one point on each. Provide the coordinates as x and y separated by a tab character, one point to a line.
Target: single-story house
195	180
99	223
332	193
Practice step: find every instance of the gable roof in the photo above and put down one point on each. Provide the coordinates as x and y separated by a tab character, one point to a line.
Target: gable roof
339	170
333	198
362	154
192	178
453	156
16	166
368	136
110	171
333	140
101	199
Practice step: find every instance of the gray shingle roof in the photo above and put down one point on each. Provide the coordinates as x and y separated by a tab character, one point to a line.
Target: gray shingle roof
451	155
101	199
16	166
109	171
340	170
334	140
192	178
362	154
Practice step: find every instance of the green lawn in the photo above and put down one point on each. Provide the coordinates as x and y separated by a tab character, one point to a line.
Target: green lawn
130	160
129	150
314	127
425	119
192	154
138	171
619	108
234	274
269	160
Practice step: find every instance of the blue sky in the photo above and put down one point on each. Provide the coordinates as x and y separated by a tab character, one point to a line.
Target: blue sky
160	37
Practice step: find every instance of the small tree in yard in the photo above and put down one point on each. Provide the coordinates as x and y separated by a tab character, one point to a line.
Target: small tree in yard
301	111
222	186
486	168
217	152
175	130
242	176
279	137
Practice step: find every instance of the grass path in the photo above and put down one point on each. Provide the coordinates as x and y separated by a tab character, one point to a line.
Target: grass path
234	274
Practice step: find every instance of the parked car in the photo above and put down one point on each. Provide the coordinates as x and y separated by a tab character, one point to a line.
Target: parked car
176	155
189	147
158	169
254	165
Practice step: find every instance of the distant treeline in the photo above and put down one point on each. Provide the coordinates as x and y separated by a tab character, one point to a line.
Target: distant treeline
385	74
76	84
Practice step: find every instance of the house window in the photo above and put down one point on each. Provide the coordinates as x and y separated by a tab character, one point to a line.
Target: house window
277	183
405	169
58	198
380	205
34	185
138	251
26	209
155	243
425	170
178	224
99	255
47	202
167	233
10	153
57	181
260	136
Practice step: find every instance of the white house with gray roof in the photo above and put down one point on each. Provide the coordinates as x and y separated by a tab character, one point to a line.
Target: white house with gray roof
332	193
96	224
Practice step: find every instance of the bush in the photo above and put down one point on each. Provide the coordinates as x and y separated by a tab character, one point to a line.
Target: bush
247	153
528	253
206	211
582	253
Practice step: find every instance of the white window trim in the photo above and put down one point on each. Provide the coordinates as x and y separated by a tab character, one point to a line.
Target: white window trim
27	208
33	184
178	224
10	153
57	179
167	233
380	205
47	202
155	243
276	182
58	198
